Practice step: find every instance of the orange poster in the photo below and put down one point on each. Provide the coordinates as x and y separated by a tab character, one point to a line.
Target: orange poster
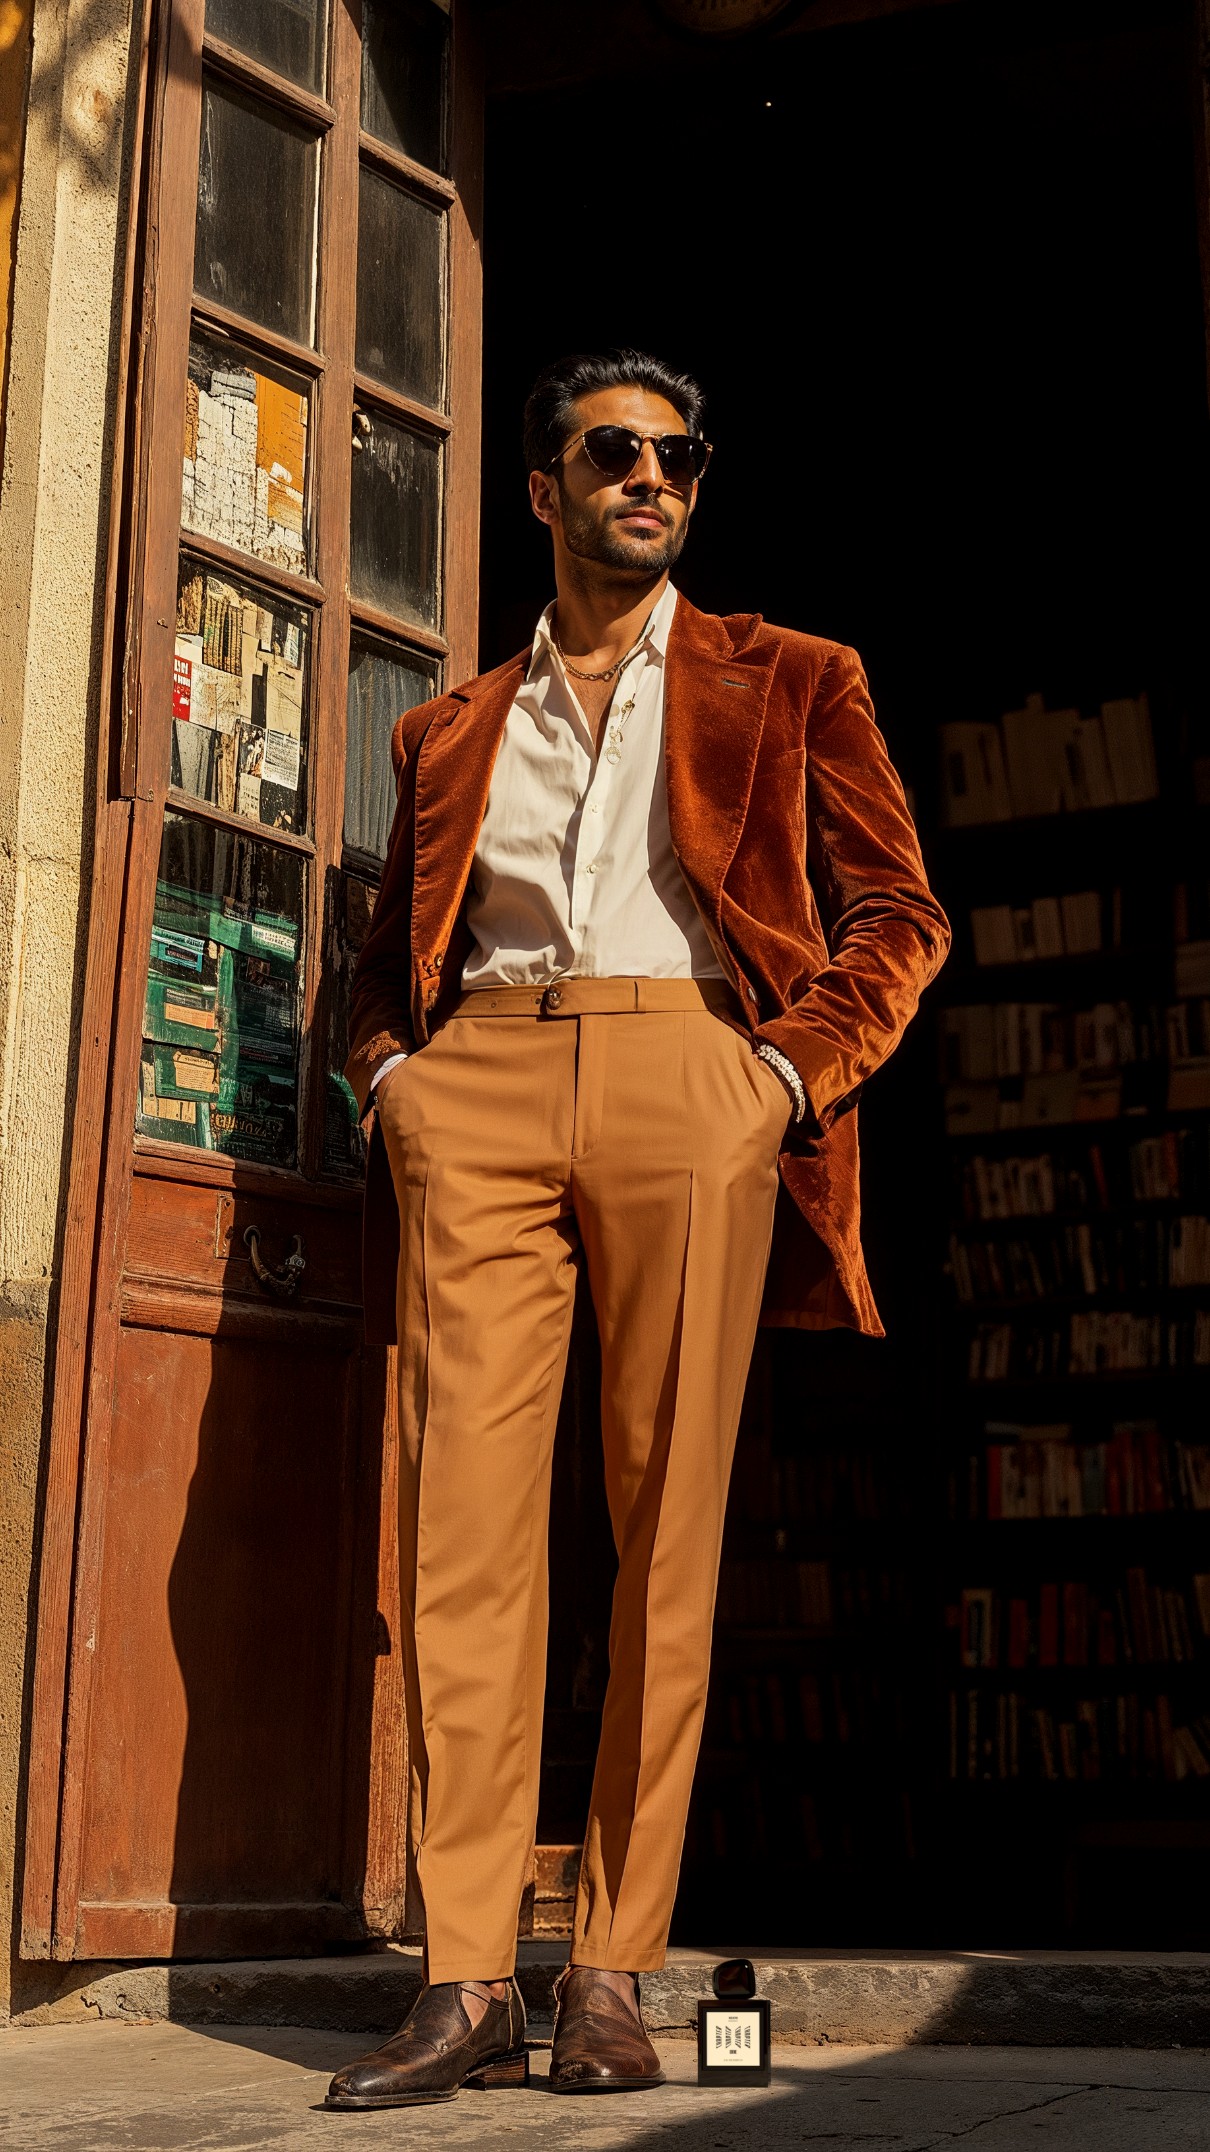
281	430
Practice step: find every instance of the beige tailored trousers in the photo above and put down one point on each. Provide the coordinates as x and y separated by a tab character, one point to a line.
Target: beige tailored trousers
628	1125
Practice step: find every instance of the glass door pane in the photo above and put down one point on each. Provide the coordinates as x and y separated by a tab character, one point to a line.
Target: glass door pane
257	203
404	47
244	478
382	685
221	1021
240	693
400	291
290	36
395	517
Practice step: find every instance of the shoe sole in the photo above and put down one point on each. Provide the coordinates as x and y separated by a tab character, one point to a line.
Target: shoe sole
610	2084
502	2073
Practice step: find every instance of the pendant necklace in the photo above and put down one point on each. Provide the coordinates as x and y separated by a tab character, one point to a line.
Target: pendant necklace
613	752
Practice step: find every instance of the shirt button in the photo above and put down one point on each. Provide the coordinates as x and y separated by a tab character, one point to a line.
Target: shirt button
593	868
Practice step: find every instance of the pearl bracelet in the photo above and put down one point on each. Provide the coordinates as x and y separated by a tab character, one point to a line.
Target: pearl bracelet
787	1071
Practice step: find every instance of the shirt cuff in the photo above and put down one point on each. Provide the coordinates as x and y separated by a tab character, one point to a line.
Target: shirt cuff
384	1069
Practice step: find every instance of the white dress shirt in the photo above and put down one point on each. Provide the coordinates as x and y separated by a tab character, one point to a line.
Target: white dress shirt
574	875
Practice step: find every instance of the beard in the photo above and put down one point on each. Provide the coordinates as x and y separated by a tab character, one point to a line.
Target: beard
590	536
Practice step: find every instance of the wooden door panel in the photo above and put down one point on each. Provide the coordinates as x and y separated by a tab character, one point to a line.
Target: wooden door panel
194	1234
218	1722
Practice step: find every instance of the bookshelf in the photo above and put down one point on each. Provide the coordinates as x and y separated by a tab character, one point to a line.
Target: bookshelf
900	1507
1072	1593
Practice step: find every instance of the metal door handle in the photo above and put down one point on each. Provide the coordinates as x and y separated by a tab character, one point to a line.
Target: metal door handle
283	1281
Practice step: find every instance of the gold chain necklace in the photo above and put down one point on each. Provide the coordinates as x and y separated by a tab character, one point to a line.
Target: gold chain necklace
574	670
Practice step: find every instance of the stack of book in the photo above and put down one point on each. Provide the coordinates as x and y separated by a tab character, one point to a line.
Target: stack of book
1041	762
1086	1177
1107	1342
1041	1472
1046	927
1150	1255
1038	1064
1117	1621
1008	1735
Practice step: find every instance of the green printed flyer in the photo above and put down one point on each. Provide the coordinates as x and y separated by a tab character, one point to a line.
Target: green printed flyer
221	1022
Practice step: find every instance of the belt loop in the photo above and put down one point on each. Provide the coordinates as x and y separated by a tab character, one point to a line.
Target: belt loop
640	998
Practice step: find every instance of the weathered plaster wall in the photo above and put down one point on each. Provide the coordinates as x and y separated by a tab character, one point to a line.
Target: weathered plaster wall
53	520
15	17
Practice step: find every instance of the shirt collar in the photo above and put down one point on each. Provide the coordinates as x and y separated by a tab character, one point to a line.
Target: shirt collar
655	641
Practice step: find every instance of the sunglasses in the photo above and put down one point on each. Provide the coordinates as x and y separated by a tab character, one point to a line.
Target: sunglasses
614	450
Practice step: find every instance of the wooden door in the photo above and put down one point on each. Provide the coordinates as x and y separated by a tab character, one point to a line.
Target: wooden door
217	1764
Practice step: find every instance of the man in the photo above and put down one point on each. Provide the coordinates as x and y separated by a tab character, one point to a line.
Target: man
653	911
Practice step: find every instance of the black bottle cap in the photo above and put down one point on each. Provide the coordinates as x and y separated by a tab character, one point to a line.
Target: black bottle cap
735	1980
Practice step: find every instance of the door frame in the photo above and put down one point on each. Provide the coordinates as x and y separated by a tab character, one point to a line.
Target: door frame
144	532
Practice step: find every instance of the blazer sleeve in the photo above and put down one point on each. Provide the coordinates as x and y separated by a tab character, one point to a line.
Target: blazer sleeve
887	935
380	1002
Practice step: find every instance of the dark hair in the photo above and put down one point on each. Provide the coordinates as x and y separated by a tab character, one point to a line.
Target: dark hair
550	413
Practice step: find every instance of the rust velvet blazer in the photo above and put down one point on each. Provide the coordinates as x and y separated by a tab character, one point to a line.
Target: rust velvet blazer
791	830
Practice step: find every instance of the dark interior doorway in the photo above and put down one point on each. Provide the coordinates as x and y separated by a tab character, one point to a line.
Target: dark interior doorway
938	275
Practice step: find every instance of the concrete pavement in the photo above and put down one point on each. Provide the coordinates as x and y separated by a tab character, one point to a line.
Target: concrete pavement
112	2087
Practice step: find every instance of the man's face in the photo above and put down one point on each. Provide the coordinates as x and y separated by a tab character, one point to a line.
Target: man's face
636	528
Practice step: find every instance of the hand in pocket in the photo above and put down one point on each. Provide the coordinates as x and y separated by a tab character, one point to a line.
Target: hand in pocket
381	1089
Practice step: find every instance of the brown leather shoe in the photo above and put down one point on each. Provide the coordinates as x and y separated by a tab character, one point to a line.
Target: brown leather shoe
599	2045
437	2049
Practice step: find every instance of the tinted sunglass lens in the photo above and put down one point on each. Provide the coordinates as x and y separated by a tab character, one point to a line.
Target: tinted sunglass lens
681	458
614	450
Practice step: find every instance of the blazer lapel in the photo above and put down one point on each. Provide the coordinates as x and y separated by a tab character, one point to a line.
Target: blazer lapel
453	777
714	711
